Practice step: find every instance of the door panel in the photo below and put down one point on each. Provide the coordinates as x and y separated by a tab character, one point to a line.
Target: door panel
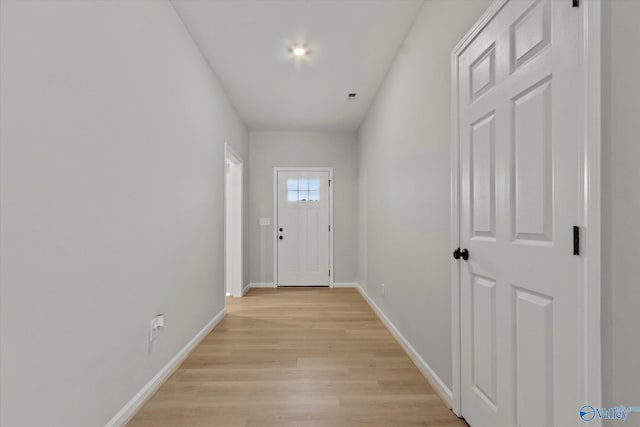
483	72
533	328
520	128
484	338
532	163
483	203
530	33
303	216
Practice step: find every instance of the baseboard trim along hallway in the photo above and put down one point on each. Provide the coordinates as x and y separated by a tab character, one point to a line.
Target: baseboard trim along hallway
138	401
246	289
345	285
261	285
436	382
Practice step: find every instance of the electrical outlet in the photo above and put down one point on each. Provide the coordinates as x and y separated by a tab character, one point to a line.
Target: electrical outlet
382	289
156	324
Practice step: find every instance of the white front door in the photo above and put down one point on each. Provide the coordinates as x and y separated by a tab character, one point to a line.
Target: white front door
303	228
521	289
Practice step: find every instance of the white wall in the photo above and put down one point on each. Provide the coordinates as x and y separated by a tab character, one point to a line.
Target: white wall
112	163
404	191
621	205
309	149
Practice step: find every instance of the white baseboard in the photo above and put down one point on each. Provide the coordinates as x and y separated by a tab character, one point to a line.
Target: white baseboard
127	412
246	289
345	285
261	285
441	388
271	285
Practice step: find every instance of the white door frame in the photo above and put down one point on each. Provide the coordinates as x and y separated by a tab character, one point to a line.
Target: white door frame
275	217
236	288
591	187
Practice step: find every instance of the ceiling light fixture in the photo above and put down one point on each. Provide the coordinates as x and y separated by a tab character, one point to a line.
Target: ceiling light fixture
299	51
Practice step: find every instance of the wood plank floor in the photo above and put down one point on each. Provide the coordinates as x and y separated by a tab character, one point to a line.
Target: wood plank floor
297	357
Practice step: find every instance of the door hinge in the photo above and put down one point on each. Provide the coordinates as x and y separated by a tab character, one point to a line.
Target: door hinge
576	240
329	183
576	3
329	228
329	272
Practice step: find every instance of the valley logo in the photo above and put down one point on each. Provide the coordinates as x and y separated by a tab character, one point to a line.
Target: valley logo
621	413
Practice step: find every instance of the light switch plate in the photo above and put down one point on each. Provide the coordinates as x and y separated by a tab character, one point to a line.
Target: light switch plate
265	221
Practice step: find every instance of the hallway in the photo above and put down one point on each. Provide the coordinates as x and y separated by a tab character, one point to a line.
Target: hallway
297	357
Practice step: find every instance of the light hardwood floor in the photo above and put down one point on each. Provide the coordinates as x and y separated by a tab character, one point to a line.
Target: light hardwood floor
297	357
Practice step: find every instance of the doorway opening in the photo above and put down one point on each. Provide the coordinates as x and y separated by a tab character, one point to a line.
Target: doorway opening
233	223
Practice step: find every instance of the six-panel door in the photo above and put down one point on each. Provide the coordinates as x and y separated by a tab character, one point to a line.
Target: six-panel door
520	195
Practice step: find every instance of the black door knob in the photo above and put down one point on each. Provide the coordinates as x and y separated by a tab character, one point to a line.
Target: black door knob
281	237
281	229
461	253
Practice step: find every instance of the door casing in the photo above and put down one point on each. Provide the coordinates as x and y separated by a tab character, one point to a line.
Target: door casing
591	201
275	216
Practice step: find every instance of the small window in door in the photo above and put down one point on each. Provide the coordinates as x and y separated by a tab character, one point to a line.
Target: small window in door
303	190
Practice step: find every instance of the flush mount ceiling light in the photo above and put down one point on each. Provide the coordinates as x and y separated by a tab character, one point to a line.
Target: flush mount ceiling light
299	51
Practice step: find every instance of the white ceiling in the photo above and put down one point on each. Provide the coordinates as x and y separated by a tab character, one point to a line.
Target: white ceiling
352	44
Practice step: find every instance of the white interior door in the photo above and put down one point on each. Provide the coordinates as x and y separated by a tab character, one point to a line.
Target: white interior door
303	228
521	292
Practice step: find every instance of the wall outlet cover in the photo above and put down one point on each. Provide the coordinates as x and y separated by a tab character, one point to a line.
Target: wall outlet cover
155	325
